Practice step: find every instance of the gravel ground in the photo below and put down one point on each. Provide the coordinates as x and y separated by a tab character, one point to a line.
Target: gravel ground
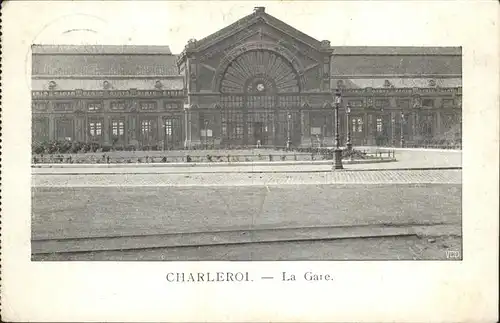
69	212
400	248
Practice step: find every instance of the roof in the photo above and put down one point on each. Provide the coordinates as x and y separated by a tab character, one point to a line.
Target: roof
101	49
67	61
257	15
395	65
114	84
396	51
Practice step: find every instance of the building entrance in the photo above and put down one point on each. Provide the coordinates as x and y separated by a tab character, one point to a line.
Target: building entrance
260	100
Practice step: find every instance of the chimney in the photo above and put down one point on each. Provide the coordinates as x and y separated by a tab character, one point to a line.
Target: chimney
259	9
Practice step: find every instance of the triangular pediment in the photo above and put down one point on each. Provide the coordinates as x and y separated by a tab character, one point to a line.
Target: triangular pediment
262	20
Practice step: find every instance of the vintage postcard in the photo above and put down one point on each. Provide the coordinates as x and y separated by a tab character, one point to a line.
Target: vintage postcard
169	161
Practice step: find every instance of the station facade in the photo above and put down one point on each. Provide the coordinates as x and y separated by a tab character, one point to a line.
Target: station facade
257	81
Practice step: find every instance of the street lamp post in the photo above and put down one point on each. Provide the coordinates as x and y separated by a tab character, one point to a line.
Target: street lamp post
348	114
206	134
288	141
337	160
393	131
402	129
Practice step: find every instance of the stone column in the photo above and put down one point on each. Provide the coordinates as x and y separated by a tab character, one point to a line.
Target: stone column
393	122
52	127
413	125
106	122
132	129
187	127
160	133
216	128
275	127
195	127
438	123
367	140
306	129
418	126
79	128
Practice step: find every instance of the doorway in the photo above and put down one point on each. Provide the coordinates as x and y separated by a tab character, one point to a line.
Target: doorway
258	133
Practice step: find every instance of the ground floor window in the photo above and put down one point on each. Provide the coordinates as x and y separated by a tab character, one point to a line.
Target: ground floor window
118	128
40	129
380	124
357	125
146	127
95	129
64	129
426	125
148	132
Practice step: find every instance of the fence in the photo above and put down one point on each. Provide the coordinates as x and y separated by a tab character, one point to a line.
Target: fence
305	154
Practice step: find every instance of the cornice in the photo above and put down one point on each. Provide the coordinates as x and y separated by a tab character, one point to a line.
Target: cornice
99	77
116	94
386	76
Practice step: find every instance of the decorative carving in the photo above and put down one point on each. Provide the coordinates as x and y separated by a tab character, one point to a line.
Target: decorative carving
52	85
278	52
259	10
266	68
388	84
416	102
111	93
432	83
106	85
325	44
369	102
191	43
39	106
158	85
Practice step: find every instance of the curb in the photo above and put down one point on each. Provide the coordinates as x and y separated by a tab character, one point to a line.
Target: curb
216	164
251	171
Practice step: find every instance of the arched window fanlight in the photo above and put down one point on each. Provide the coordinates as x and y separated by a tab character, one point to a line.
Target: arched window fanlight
106	85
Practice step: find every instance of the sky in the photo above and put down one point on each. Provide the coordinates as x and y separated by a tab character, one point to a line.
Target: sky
172	23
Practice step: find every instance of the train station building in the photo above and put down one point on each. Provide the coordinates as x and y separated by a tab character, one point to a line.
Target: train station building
257	81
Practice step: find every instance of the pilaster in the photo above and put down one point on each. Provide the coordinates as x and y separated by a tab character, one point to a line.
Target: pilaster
305	140
161	132
52	128
438	123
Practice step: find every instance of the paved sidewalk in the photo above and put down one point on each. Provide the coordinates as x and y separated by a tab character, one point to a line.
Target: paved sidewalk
406	159
251	179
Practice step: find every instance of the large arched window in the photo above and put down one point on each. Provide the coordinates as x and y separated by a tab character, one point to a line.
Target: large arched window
259	90
259	72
